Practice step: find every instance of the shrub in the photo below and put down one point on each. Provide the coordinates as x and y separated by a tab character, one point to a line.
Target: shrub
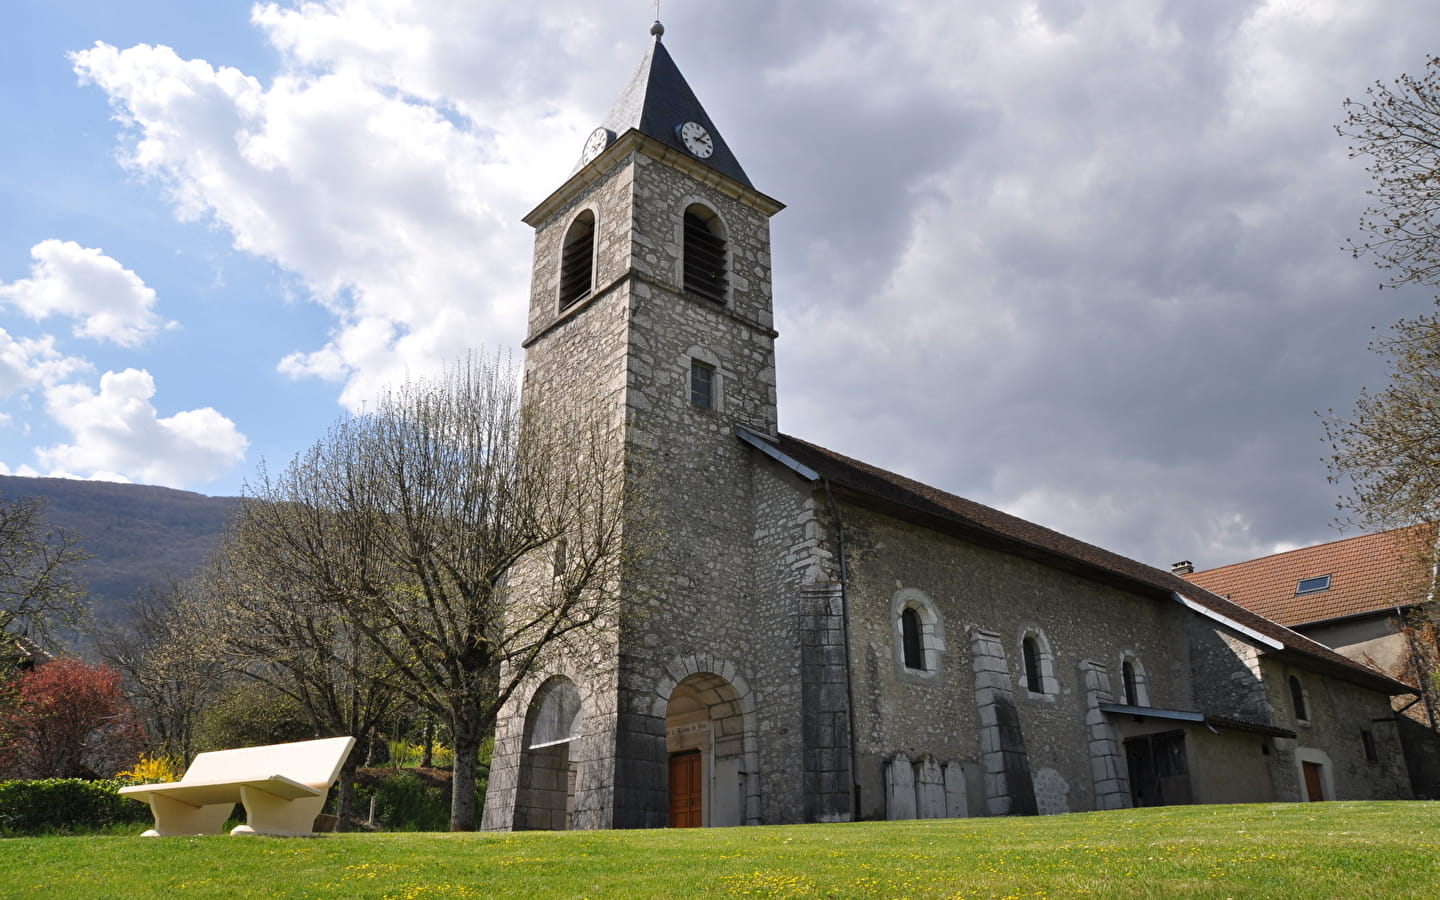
405	802
251	715
404	754
154	770
69	719
65	804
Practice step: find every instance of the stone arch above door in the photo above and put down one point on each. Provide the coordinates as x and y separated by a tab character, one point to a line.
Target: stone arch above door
712	692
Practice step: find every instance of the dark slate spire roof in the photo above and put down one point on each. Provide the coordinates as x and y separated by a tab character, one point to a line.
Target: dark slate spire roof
657	100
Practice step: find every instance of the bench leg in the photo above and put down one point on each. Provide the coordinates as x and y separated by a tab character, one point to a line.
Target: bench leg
174	817
269	814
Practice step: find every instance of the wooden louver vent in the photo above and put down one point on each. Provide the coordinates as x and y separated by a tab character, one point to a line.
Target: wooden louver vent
704	260
577	261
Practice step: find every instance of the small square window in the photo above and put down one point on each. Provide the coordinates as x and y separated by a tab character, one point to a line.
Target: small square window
1313	585
561	546
702	385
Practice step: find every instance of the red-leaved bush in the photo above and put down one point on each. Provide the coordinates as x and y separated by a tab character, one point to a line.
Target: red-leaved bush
67	719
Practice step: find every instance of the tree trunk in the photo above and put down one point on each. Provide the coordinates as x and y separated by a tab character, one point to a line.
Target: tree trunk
462	777
345	792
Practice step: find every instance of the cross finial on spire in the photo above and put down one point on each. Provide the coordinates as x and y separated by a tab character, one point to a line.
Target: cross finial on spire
657	29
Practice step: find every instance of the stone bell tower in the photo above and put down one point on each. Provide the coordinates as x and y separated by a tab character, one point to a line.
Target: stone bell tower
651	302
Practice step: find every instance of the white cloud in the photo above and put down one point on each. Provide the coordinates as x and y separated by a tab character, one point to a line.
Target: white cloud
1087	248
27	363
400	222
117	434
110	301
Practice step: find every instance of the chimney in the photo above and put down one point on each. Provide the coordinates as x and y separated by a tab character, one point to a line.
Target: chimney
1183	567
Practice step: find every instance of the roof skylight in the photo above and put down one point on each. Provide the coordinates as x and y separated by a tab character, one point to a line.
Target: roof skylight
1313	585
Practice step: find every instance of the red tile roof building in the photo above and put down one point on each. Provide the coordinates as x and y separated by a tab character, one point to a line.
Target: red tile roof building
1368	574
1360	596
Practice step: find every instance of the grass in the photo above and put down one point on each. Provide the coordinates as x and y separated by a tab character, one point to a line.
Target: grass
1274	850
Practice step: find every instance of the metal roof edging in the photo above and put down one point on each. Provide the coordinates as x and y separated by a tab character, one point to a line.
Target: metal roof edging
762	443
1228	622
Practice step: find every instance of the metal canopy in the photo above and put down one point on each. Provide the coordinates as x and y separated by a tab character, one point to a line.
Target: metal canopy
1196	718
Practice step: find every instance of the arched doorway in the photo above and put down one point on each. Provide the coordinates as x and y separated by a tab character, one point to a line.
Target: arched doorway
705	736
545	794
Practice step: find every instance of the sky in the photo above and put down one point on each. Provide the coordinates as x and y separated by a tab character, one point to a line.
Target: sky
1077	259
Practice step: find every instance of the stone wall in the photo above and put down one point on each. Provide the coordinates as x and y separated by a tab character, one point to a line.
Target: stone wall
575	366
1337	713
975	707
716	598
722	596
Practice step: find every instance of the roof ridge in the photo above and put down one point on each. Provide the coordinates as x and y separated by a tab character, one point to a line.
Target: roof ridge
1011	528
1319	546
975	503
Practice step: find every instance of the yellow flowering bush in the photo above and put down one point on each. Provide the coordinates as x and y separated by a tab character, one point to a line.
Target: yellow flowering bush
154	769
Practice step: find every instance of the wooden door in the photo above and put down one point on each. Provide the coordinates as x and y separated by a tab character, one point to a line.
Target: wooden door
687	797
1314	786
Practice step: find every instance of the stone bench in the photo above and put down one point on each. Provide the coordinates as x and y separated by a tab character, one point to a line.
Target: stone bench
282	786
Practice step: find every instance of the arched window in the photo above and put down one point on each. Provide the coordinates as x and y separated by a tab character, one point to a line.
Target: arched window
1030	651
1297	699
919	634
1037	662
577	260
911	640
1128	683
705	256
1133	689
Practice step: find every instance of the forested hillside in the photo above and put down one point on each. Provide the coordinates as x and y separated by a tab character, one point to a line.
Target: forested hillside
136	535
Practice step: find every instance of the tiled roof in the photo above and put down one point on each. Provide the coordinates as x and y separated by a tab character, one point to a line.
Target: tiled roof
1369	573
909	499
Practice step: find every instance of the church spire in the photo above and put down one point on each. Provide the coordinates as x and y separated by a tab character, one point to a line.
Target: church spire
660	104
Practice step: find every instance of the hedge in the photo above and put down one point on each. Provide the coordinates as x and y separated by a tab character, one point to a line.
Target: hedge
66	805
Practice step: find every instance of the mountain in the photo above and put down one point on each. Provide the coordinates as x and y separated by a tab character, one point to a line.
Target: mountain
136	535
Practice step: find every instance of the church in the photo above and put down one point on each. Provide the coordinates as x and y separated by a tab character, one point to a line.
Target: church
823	640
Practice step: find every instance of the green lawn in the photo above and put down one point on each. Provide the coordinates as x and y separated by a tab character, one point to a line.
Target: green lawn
1280	850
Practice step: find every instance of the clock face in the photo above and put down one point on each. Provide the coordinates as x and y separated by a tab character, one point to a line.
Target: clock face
595	144
696	139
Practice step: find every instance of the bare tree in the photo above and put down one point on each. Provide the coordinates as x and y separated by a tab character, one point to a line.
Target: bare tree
161	652
435	523
1387	450
1397	126
39	582
266	627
